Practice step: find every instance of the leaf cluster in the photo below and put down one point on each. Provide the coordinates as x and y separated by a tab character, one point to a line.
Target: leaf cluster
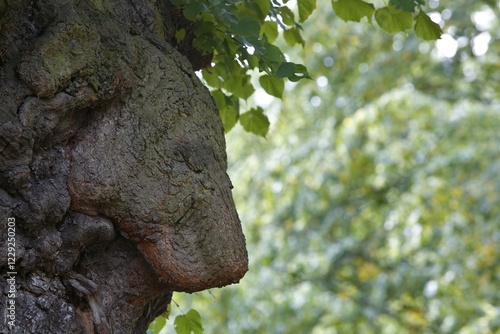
189	323
398	16
241	35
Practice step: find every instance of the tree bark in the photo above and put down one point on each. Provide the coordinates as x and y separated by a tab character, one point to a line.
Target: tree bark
113	181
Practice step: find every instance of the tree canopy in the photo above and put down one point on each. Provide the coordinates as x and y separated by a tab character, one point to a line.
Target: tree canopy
372	206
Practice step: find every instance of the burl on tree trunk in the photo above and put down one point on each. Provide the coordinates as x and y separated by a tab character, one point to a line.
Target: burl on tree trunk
112	166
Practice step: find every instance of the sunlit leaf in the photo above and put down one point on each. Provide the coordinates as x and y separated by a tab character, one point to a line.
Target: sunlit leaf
292	36
273	53
255	121
157	325
229	117
273	86
306	7
188	323
352	10
240	86
228	108
264	6
393	20
427	29
270	30
287	15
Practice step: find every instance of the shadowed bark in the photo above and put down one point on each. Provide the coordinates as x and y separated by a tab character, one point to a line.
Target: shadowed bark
112	165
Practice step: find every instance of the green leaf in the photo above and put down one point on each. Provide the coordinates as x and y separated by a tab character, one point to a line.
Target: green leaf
264	49
229	108
264	6
157	325
255	121
353	10
285	70
269	52
246	26
192	10
240	85
306	7
273	86
270	30
188	323
211	76
272	53
300	73
393	20
292	36
426	29
406	5
229	116
287	15
180	34
220	98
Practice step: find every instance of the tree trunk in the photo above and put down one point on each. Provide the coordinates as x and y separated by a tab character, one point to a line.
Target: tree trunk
113	183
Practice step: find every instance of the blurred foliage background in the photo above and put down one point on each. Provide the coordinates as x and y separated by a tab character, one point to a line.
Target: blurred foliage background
374	204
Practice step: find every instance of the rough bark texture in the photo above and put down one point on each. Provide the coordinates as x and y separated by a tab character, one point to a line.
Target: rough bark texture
112	164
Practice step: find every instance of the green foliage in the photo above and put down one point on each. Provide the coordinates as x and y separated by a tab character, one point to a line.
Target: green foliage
188	323
157	325
353	10
396	17
241	34
306	7
425	28
393	20
406	5
255	121
374	210
272	85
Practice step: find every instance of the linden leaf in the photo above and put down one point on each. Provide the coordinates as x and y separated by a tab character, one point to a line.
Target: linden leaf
393	20
273	86
255	121
247	26
306	7
270	30
189	322
229	117
292	36
427	29
352	10
406	5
